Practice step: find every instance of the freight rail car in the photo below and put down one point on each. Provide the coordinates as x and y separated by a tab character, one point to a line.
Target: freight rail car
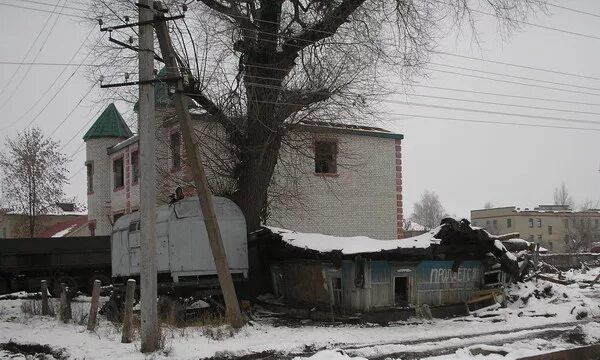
76	261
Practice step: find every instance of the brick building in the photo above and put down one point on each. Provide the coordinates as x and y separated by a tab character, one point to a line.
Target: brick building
336	179
555	227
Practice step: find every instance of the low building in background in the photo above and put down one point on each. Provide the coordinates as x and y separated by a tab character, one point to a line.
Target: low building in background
62	220
555	227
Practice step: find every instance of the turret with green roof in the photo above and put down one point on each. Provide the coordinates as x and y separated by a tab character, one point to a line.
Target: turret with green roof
109	125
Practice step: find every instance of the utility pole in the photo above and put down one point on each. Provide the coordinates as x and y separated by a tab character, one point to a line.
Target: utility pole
146	124
195	161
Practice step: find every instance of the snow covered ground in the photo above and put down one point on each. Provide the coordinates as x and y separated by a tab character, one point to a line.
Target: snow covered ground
542	317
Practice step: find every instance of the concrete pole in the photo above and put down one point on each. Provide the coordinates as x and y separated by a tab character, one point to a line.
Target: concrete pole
146	123
128	312
94	305
44	291
233	313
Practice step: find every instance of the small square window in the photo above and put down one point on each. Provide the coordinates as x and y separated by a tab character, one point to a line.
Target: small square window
325	157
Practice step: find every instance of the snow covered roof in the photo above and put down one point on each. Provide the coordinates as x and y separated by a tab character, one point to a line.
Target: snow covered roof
63	228
355	244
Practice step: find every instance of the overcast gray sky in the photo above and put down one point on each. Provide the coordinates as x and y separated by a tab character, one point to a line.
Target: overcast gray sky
467	164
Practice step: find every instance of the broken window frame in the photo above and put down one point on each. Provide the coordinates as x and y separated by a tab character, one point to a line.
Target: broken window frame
337	293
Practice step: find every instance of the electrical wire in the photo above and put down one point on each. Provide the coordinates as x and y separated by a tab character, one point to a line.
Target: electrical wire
47	11
28	70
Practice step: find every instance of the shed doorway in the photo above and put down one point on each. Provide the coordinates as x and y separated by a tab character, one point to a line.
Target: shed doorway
401	291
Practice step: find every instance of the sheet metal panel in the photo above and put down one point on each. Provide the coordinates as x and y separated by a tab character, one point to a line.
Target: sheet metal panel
437	284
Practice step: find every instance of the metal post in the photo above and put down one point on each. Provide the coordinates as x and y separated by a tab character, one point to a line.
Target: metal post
44	291
146	123
128	311
94	305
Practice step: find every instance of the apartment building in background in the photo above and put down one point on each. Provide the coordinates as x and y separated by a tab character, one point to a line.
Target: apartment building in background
555	227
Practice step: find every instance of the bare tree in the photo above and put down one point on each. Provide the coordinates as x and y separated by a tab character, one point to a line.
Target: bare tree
562	197
261	67
33	175
429	211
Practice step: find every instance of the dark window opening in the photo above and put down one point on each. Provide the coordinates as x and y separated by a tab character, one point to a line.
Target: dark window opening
135	167
508	223
325	157
336	287
530	222
175	150
90	177
401	291
118	175
550	230
117	216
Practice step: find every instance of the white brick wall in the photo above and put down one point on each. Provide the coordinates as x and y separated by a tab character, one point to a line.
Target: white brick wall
362	199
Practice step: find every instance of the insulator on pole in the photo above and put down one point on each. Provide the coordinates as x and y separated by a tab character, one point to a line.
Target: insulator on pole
126	17
131	40
100	22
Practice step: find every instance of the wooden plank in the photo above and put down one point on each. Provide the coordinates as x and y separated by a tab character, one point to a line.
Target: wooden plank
94	305
128	312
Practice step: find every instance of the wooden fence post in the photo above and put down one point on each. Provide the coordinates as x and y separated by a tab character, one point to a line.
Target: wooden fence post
65	303
94	305
44	291
128	311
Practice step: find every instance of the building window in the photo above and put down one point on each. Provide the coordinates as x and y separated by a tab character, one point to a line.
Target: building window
118	175
539	222
530	222
325	157
495	223
550	245
549	229
508	223
175	151
89	167
487	224
135	167
566	222
539	238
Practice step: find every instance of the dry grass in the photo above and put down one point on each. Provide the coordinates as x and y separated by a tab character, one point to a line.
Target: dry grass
34	307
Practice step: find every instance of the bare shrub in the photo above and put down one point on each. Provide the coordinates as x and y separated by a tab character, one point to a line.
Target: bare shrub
34	308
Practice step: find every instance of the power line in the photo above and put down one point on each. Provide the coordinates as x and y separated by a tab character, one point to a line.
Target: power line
490	122
515	76
12	94
31	107
28	51
46	11
73	110
502	95
46	4
516	82
505	104
574	10
517	65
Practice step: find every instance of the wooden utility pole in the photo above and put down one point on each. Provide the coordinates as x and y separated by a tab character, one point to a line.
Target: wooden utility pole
146	124
128	312
94	305
194	157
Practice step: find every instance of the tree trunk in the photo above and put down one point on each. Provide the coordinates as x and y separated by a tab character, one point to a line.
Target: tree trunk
256	170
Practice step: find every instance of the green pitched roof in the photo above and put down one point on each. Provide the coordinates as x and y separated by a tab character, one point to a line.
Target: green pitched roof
109	124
